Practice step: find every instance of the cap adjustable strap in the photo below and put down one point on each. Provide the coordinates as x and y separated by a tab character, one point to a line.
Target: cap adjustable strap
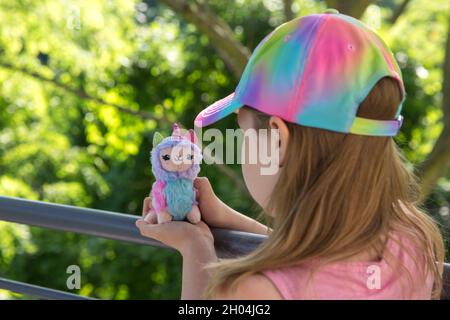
372	127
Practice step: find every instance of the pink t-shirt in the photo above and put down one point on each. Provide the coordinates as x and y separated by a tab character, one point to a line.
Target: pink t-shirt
352	280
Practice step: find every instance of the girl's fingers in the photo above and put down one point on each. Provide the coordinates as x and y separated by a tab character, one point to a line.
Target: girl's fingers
145	228
201	183
202	186
176	234
155	231
197	194
151	217
147	206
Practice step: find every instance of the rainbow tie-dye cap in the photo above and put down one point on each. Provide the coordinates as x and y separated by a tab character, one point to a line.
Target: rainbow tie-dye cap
315	71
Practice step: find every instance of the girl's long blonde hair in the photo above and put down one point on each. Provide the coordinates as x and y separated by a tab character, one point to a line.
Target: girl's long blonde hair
340	195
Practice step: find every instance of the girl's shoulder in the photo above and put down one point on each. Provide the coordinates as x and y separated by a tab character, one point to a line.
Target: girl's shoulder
253	287
397	275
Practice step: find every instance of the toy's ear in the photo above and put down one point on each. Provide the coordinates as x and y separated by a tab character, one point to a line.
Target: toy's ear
157	138
191	136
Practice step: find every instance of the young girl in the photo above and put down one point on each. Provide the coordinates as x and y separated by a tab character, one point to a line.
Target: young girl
346	217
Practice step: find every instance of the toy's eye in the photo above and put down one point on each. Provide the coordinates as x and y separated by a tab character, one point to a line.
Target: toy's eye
166	157
190	156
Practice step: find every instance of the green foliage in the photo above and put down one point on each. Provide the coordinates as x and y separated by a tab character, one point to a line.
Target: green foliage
66	147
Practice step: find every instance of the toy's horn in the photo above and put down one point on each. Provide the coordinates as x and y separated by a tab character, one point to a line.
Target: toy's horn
176	130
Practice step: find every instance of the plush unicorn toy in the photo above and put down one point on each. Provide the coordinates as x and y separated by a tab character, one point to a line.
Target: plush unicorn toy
175	164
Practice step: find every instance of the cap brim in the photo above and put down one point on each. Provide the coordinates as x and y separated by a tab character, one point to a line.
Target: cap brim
218	110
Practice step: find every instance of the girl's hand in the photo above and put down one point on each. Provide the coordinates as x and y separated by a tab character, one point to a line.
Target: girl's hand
217	214
147	213
180	235
211	207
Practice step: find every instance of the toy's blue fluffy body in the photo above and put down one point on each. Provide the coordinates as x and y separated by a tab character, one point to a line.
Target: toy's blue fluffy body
180	197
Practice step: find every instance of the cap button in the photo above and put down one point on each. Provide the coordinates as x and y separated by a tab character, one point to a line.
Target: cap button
330	11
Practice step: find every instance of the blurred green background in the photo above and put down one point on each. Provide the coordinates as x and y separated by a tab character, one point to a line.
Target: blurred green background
84	84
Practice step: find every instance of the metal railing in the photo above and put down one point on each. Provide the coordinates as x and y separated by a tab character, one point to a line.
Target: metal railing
116	226
37	291
100	223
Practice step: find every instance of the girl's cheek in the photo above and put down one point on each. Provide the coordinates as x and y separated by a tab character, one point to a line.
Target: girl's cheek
259	185
249	173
